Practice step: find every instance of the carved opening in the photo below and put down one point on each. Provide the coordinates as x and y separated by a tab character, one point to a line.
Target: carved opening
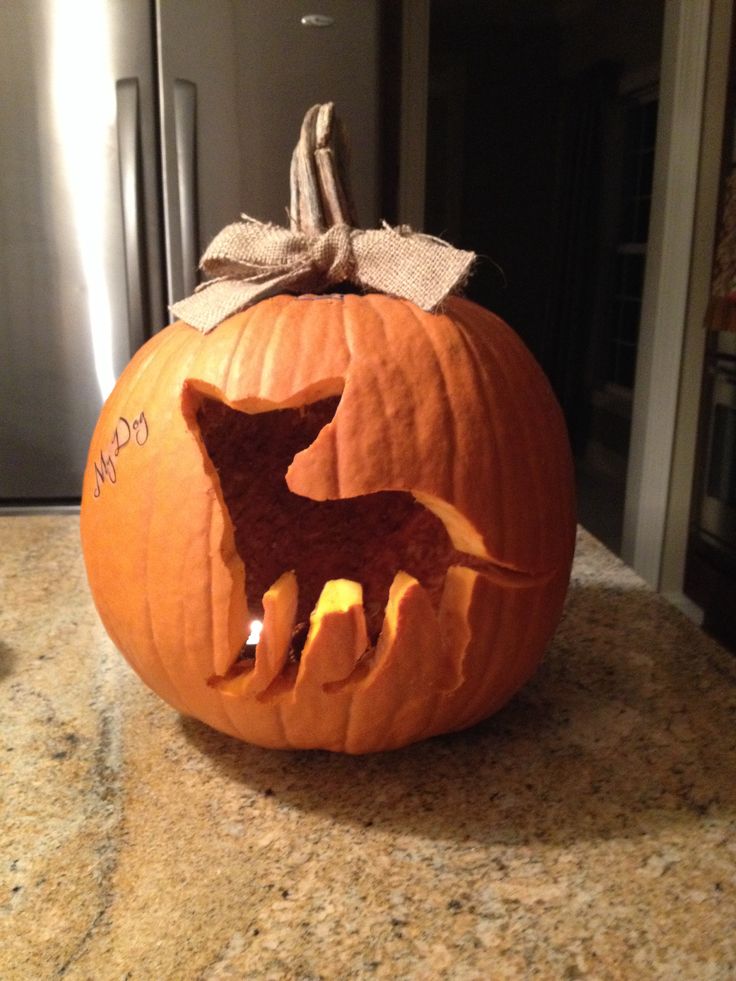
367	539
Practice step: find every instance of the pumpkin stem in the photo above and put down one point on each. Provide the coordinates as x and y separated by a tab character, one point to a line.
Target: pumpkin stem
320	193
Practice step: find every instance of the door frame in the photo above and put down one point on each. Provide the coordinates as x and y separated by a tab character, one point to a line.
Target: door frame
695	47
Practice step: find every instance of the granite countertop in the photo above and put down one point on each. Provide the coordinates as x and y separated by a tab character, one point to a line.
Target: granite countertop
586	831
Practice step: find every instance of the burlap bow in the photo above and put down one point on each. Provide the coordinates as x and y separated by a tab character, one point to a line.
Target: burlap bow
251	260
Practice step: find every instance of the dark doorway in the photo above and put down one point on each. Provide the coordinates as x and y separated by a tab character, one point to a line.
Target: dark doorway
541	126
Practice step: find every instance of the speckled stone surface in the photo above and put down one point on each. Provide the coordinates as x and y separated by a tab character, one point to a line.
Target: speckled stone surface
586	831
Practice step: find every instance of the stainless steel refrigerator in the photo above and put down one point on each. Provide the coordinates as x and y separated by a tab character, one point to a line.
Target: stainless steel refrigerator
130	133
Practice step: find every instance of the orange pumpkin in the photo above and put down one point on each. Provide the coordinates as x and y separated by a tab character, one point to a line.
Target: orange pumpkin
389	491
468	541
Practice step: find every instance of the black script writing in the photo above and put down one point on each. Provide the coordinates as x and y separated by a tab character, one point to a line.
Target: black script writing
126	432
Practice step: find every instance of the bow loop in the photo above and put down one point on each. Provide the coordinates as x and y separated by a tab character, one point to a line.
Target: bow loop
250	261
249	248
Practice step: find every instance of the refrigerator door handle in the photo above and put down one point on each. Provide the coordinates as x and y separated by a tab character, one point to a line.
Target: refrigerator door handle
185	128
131	193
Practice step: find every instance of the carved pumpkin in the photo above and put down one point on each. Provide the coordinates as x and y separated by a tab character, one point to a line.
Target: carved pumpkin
388	490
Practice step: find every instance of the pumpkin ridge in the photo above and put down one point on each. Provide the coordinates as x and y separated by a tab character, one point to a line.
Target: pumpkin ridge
354	326
160	375
235	351
211	617
206	631
275	330
497	466
512	396
444	700
522	669
449	430
507	615
517	362
197	545
190	652
234	717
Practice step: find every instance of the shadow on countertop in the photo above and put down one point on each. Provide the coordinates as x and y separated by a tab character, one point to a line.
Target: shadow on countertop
628	727
8	659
